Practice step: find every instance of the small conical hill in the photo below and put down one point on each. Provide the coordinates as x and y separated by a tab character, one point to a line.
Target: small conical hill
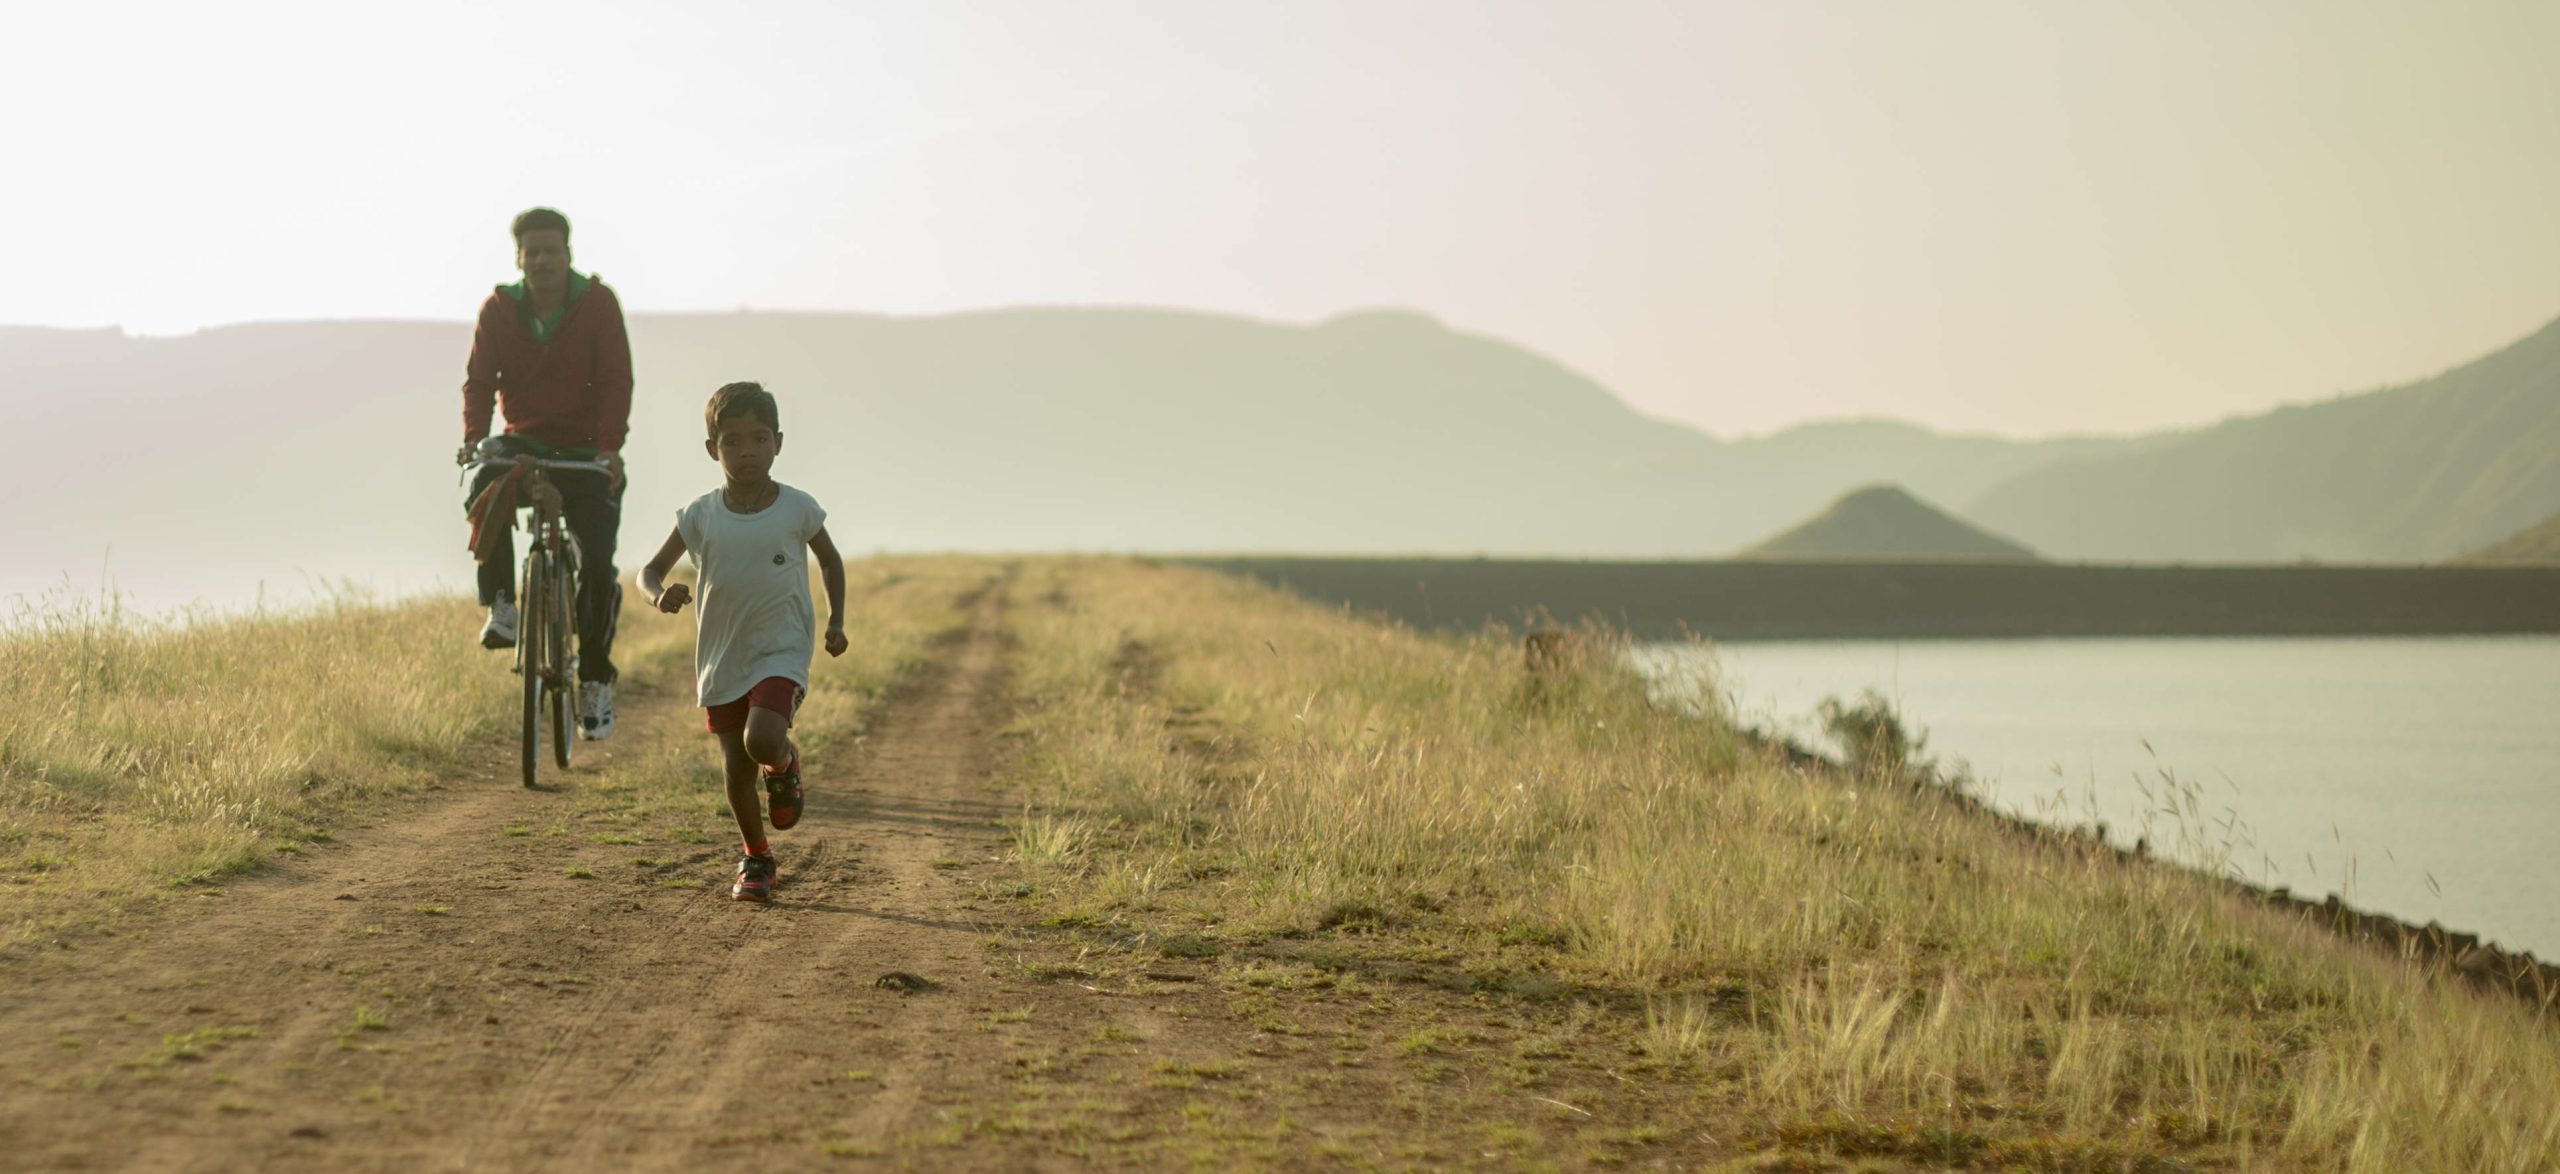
1886	522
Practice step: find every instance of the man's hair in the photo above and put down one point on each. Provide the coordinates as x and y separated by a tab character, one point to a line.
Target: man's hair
741	399
537	219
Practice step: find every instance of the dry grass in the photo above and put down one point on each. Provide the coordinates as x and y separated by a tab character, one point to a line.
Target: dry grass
1836	970
143	753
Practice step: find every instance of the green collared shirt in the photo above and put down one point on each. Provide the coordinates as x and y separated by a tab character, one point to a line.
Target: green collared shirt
544	328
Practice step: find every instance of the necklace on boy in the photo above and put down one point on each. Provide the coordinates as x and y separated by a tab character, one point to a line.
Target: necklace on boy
773	490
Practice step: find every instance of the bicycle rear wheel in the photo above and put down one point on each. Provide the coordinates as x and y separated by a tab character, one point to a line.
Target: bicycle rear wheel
536	658
563	674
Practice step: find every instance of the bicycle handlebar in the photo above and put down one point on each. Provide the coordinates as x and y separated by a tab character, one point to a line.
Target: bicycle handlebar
541	463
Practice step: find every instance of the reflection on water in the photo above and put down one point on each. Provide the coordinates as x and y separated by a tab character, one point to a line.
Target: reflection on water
2416	776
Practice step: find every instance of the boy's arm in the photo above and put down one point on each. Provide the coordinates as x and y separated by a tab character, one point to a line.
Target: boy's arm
831	572
653	578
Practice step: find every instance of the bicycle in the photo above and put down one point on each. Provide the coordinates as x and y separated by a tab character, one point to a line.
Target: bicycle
547	630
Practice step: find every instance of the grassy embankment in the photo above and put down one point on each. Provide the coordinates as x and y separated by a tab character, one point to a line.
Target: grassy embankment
150	758
1668	927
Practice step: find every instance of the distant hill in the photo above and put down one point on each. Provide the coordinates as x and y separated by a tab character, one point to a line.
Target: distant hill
2533	544
290	453
1935	465
2413	473
1886	522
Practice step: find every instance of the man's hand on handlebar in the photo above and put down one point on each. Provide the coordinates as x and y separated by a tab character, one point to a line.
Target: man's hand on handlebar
609	463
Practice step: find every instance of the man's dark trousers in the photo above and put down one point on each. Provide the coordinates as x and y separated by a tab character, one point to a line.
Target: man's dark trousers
594	515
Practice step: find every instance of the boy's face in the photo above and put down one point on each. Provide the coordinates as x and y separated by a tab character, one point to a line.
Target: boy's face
745	448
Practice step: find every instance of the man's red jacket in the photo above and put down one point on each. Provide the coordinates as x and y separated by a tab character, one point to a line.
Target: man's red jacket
573	391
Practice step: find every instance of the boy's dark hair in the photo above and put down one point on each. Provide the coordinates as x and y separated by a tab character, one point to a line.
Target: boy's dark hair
537	219
741	399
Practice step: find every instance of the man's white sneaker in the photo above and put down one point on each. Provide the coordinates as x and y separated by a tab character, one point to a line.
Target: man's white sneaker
595	710
500	631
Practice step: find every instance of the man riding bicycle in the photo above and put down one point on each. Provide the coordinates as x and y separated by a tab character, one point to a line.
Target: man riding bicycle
550	352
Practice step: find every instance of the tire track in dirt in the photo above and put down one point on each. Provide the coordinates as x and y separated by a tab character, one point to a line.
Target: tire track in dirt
692	1072
571	1071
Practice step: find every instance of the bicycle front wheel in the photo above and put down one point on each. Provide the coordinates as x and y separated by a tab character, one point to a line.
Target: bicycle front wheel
563	670
537	660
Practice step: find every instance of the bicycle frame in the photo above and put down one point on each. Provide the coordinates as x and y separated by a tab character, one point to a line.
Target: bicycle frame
546	644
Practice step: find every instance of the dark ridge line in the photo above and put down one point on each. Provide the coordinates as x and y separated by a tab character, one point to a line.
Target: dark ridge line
1751	599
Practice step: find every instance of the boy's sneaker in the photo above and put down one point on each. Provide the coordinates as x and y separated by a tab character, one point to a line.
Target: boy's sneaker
782	796
755	878
500	631
595	710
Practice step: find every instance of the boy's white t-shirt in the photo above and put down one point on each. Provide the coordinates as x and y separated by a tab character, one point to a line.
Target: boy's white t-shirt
752	583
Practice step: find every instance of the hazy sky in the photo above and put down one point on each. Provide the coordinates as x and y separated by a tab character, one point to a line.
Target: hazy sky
2020	217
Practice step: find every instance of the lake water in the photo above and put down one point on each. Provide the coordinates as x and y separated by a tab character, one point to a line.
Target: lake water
2418	777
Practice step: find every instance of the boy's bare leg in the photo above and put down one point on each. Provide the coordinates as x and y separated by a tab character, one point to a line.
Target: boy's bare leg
746	797
768	740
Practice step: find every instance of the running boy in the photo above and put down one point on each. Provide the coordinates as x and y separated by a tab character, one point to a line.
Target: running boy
750	540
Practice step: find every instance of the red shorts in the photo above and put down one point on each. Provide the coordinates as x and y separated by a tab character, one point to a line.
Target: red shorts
780	694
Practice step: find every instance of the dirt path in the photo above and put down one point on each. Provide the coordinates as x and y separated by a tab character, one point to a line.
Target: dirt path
438	992
490	980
